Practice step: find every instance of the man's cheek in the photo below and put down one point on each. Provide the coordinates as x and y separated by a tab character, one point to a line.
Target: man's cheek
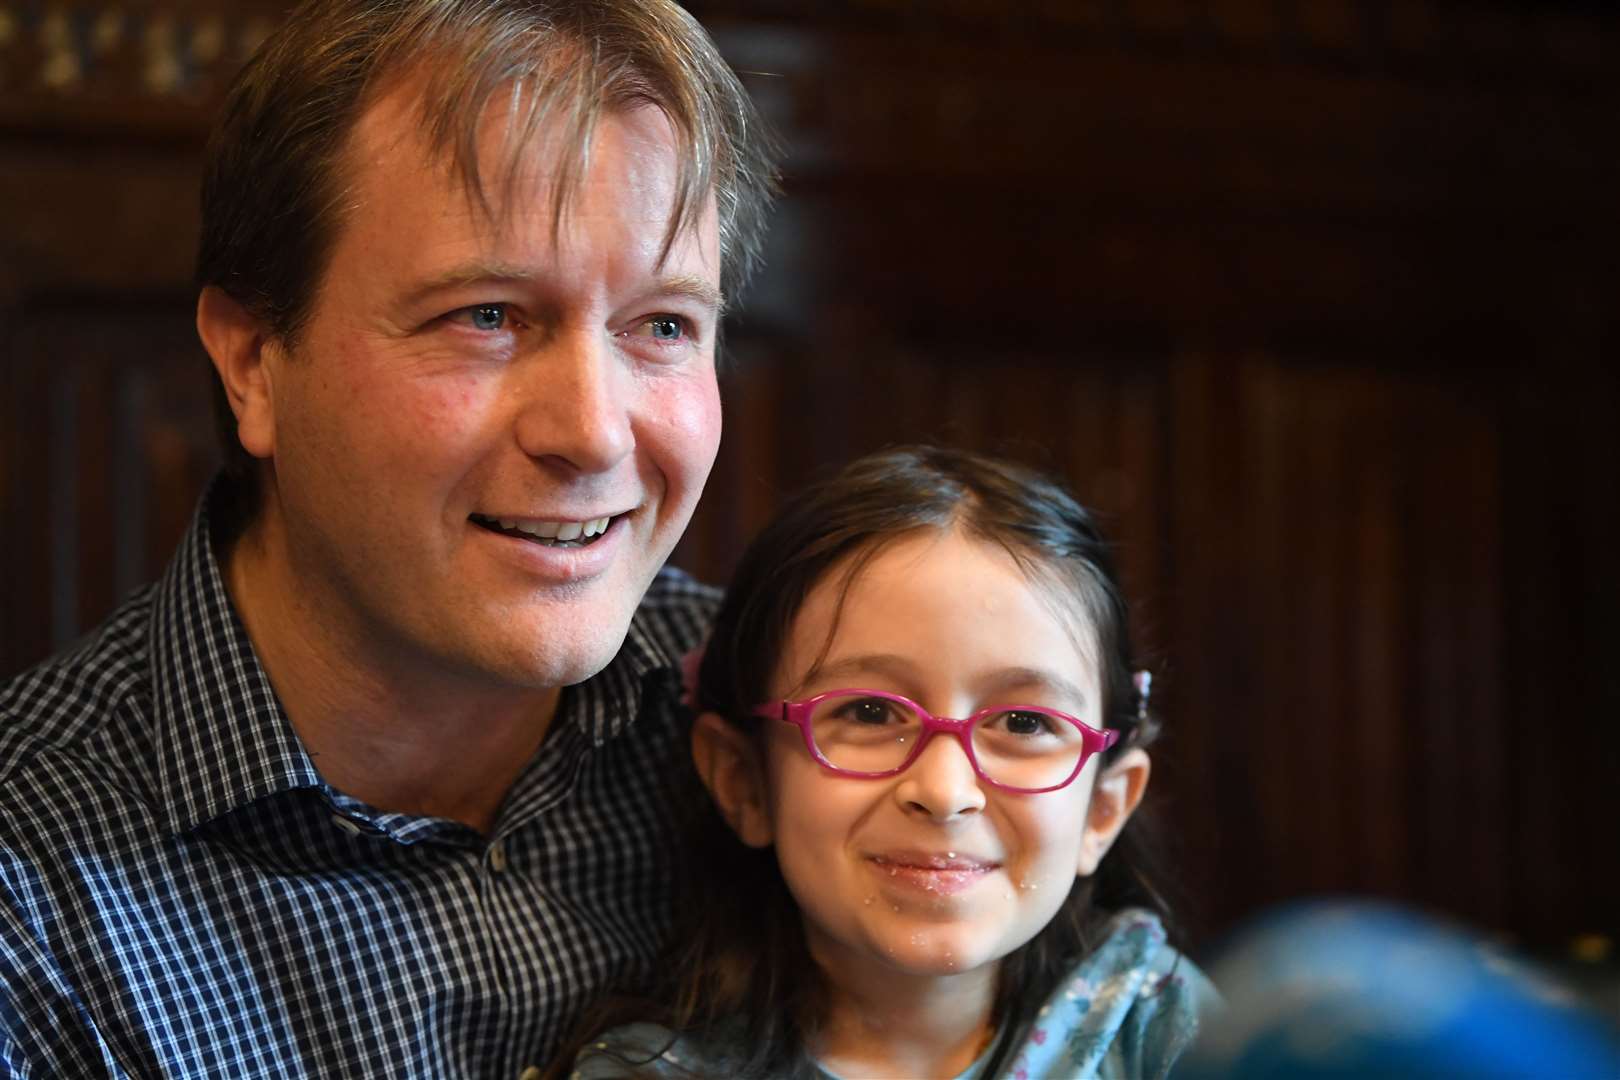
443	407
688	426
407	420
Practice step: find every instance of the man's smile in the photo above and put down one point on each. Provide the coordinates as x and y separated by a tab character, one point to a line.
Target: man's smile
548	533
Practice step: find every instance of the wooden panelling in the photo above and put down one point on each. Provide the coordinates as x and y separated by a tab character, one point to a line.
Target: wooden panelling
1312	299
107	441
141	68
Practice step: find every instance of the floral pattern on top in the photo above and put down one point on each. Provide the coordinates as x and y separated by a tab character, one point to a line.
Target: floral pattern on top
1128	1009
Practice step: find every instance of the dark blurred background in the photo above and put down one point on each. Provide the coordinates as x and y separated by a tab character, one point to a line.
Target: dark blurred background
1315	300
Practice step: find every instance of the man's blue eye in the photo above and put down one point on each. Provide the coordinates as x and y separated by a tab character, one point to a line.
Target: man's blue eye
665	329
487	316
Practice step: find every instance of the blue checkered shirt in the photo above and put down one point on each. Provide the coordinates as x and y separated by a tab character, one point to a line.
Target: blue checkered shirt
182	895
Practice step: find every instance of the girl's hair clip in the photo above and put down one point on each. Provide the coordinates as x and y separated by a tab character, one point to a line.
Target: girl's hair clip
1144	692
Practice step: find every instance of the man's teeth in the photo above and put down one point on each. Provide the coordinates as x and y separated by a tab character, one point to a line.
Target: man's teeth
559	531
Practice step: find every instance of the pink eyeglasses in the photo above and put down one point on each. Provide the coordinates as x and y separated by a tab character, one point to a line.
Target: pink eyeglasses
869	734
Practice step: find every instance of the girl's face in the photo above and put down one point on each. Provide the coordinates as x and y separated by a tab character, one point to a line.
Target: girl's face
932	871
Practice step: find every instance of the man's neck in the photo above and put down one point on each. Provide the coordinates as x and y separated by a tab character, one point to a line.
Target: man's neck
391	730
885	1022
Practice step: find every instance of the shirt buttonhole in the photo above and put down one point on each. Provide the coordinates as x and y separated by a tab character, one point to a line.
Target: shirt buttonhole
357	828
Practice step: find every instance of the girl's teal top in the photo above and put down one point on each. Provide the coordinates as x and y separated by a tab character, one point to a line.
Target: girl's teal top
1127	1010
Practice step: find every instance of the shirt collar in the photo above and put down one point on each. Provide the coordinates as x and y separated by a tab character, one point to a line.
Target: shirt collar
223	739
590	714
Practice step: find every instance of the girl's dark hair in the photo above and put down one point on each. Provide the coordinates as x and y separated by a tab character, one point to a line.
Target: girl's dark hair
739	971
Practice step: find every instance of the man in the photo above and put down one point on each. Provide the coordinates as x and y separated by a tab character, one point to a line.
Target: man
369	783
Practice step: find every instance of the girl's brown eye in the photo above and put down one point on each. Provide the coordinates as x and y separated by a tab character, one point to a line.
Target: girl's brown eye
868	711
1025	723
1019	722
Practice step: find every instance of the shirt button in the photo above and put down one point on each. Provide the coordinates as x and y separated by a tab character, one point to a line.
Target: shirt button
531	1073
346	825
497	863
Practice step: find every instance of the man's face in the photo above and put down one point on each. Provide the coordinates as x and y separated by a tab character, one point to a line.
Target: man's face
473	399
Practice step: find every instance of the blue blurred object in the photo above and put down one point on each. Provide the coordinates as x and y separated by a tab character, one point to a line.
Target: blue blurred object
1358	989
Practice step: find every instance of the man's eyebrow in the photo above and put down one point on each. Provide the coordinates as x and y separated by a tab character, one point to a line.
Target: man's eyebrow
685	286
492	273
699	290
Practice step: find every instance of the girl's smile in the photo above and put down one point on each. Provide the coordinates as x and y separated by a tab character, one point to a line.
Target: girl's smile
941	873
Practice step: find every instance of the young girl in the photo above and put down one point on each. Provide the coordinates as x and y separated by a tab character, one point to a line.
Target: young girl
922	740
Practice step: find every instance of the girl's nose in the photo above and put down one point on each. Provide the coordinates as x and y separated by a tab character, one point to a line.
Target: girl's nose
941	782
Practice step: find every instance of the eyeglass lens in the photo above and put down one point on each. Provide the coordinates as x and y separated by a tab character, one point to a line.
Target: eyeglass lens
1018	748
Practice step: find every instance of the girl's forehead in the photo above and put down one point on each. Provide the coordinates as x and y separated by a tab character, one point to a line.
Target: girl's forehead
938	597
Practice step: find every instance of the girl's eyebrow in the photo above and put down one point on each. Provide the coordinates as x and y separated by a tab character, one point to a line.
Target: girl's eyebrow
891	665
1003	680
1018	678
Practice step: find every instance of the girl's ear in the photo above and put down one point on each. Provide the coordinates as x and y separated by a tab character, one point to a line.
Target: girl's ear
728	762
1114	798
239	347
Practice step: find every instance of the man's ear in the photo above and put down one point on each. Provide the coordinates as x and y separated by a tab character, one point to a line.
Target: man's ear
239	346
728	761
1116	795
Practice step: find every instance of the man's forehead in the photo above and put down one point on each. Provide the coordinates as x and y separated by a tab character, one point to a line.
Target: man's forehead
410	214
513	157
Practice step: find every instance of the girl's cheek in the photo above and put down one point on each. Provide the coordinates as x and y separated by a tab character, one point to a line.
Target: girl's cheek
788	791
1055	839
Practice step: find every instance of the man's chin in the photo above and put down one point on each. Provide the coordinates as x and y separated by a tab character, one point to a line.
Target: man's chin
560	660
540	641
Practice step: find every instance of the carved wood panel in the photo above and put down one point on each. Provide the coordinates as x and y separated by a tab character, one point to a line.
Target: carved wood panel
106	441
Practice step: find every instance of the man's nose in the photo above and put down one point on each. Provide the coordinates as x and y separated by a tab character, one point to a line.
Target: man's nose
941	782
577	402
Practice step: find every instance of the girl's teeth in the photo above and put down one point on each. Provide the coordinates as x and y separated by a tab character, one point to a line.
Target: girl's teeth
570	531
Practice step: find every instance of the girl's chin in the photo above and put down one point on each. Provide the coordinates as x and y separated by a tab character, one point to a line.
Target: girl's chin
942	968
933	954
